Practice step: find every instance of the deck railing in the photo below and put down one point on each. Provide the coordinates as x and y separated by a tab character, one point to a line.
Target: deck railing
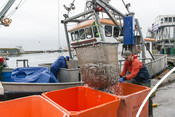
154	66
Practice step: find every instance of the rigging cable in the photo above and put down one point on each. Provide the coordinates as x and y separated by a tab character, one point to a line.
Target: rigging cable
14	10
108	32
1	9
125	6
3	5
86	31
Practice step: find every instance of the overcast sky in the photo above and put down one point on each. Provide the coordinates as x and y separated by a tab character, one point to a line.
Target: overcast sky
35	24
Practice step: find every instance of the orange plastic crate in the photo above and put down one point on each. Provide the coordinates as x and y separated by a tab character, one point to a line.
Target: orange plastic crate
84	102
131	96
32	106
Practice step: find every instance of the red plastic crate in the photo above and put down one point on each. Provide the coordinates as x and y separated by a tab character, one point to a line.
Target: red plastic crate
131	96
84	102
32	106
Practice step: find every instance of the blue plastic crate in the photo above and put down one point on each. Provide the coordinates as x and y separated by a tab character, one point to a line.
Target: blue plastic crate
6	76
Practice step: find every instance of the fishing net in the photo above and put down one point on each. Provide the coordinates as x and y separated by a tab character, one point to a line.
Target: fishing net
99	64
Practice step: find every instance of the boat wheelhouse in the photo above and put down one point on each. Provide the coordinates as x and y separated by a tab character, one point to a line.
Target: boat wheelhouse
88	30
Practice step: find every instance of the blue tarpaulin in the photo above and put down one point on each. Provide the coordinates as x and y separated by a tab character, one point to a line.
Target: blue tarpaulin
33	75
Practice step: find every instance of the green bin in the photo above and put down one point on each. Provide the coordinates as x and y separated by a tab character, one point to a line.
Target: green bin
164	50
172	51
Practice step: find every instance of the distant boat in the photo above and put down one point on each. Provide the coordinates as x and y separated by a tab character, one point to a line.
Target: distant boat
67	77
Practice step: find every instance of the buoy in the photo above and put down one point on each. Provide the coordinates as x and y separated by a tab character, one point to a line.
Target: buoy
155	105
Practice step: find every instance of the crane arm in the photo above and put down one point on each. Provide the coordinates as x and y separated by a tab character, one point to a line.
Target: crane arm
6	21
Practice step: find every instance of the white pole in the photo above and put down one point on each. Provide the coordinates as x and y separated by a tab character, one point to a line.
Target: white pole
154	88
59	25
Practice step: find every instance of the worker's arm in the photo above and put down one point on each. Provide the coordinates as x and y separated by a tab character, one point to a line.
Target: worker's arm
69	66
55	67
124	70
136	66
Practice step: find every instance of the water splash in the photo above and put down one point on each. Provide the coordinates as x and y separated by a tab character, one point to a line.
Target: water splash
116	89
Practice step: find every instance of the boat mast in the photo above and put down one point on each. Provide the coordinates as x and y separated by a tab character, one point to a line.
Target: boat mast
71	7
59	46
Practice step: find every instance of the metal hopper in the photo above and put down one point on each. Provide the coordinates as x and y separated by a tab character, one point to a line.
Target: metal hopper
98	63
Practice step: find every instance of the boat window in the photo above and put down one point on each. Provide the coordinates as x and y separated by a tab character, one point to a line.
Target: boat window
72	36
82	34
166	19
96	34
89	32
173	19
170	19
148	45
161	20
76	35
116	32
108	31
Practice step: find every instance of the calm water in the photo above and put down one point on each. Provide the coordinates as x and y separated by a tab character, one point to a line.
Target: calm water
35	59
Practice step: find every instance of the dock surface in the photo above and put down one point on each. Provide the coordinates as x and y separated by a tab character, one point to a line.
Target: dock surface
165	98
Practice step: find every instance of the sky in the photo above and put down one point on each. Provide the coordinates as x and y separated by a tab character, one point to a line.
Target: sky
36	24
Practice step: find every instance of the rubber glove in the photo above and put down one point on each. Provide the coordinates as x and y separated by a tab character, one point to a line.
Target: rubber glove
121	80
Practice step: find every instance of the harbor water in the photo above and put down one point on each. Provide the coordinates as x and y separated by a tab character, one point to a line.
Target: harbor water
34	59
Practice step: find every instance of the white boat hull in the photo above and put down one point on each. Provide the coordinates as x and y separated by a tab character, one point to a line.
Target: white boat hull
37	87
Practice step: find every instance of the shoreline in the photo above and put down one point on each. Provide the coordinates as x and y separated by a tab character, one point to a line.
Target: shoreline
32	52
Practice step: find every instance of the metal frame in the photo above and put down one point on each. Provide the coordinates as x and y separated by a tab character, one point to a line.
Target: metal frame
143	42
72	19
6	8
106	7
103	4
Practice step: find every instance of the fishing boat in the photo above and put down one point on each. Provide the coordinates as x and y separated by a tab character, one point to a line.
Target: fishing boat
67	78
101	22
91	29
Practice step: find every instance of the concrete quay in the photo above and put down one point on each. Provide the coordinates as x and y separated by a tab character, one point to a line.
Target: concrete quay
168	80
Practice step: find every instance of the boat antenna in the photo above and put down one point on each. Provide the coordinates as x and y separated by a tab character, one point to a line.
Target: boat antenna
16	8
126	6
71	7
59	45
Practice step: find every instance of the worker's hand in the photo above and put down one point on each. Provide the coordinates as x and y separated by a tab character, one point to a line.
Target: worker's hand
121	80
